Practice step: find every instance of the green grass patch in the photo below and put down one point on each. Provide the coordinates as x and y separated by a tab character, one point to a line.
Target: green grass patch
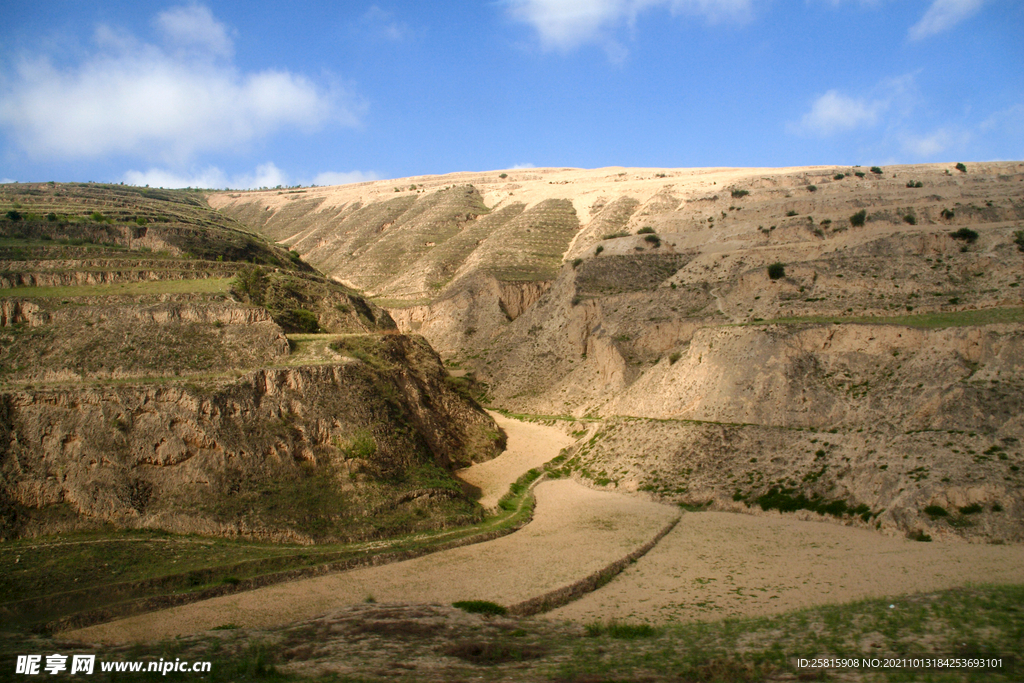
511	500
200	286
985	316
967	621
622	631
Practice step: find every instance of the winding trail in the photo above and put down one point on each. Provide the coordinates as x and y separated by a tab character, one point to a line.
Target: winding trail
576	532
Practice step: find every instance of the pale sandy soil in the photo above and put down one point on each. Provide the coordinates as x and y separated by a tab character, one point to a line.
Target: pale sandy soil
575	532
719	564
529	445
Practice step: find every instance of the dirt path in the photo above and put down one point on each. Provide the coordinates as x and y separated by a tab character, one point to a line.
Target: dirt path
575	532
529	445
717	564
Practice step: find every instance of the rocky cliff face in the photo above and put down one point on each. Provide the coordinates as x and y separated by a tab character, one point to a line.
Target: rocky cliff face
348	450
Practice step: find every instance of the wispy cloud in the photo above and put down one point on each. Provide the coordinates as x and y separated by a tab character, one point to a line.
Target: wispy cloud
943	15
567	24
937	142
265	175
382	23
168	101
211	177
194	29
835	112
344	177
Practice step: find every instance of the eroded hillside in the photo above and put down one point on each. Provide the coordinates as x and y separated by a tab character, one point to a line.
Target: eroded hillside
873	372
162	367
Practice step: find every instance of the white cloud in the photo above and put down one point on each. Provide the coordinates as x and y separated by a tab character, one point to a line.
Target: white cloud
382	23
519	167
5	181
834	112
567	24
265	175
938	142
942	15
193	28
139	99
344	177
1005	120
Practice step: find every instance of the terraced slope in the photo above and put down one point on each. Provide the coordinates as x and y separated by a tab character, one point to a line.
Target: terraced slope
146	380
892	319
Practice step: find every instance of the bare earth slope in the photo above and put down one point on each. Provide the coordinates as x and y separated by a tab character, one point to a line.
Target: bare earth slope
895	323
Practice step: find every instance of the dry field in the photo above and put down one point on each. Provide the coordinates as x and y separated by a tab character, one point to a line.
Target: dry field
712	565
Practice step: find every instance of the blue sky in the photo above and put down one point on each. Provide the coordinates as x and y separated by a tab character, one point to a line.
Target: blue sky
248	94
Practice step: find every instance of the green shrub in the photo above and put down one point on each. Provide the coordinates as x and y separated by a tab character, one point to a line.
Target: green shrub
857	219
965	235
737	194
876	170
576	262
859	174
503	176
970	509
140	221
812	188
960	167
97	216
936	511
480	607
948	214
646	230
363	446
838	176
915	183
777	271
653	239
910	219
1018	239
599	249
299	320
250	284
674	357
791	213
13	215
919	536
